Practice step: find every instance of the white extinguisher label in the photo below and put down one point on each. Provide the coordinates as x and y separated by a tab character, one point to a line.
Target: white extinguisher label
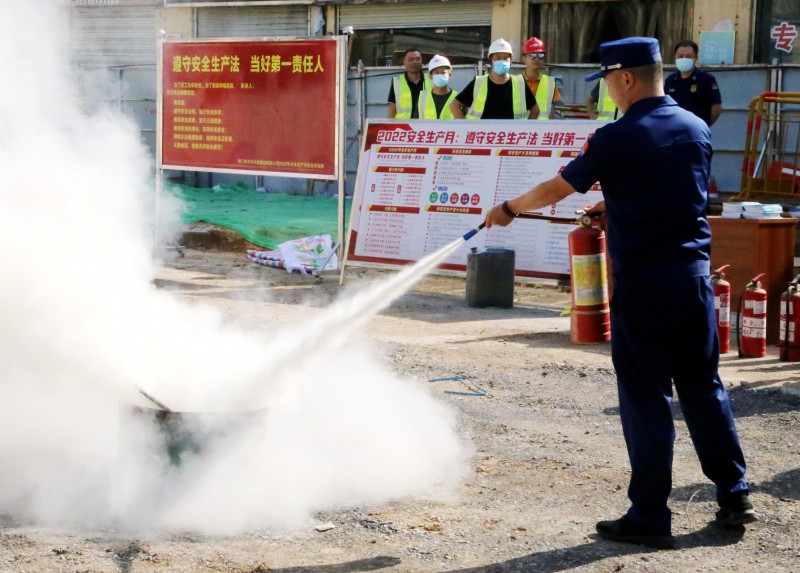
754	322
782	335
723	304
589	279
754	332
754	327
758	306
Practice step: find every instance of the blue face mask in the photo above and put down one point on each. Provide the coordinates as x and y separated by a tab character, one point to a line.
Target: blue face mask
440	80
684	64
501	67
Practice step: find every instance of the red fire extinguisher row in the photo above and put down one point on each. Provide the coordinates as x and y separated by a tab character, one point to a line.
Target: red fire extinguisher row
751	329
789	337
722	305
590	323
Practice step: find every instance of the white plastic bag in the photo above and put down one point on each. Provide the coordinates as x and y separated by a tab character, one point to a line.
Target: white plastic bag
309	254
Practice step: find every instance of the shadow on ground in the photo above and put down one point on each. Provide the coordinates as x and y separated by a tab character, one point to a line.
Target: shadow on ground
569	558
746	402
783	486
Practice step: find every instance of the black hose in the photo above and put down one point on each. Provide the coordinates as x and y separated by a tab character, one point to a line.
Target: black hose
785	350
739	322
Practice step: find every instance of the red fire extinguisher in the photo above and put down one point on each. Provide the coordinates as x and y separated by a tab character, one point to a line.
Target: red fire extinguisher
722	305
789	338
589	323
751	328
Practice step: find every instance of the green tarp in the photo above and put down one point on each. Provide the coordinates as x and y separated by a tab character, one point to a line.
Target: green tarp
264	219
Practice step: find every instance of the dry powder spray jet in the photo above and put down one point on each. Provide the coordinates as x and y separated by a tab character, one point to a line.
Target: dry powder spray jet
347	315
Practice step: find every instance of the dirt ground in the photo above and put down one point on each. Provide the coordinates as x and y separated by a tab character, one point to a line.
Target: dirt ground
549	455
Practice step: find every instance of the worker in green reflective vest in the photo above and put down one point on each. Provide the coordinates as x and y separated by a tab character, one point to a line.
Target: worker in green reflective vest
405	88
435	103
599	104
541	85
498	94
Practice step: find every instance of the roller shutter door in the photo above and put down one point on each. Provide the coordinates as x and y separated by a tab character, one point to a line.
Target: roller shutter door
111	36
252	21
416	15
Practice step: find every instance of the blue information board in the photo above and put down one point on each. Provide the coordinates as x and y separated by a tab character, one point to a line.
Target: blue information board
716	47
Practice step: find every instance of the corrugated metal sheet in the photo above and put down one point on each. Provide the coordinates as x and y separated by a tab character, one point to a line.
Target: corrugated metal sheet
416	15
252	21
113	35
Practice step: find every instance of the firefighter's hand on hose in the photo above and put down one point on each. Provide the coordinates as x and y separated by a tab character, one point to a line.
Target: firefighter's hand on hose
500	215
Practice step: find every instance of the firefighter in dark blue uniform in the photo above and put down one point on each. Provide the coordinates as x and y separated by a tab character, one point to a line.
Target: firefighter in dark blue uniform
653	165
692	88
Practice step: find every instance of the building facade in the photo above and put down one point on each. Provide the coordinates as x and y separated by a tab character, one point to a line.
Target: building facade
115	44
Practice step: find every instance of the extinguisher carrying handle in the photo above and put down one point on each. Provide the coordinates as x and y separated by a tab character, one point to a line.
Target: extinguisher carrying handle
720	272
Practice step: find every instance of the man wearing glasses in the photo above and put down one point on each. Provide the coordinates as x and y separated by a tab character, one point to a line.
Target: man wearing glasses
543	86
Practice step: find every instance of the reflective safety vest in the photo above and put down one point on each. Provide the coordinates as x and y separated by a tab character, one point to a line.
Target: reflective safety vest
427	107
605	105
481	89
544	95
402	95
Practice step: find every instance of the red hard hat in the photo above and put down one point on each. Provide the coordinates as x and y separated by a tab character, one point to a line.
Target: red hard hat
533	46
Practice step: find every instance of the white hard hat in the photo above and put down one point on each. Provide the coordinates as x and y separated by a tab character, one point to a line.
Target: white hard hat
438	61
500	45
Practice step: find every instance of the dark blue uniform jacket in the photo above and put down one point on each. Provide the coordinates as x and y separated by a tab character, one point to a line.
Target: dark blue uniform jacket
697	93
653	166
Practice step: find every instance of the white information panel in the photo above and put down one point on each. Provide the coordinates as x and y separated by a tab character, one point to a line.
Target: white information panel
422	184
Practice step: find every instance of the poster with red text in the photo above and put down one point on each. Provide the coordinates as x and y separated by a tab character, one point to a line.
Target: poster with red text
263	107
423	184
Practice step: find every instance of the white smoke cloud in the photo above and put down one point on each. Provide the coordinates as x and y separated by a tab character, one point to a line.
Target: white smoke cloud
84	330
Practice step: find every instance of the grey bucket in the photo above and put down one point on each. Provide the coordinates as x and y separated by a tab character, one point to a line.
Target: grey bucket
490	277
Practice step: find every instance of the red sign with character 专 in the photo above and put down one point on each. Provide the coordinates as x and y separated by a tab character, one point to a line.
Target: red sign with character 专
264	107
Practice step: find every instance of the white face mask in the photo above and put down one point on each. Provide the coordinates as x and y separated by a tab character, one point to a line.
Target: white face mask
440	80
684	64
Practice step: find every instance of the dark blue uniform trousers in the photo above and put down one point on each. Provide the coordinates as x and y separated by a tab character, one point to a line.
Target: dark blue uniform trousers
663	330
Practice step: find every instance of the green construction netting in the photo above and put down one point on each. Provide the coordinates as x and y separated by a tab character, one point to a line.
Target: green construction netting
264	219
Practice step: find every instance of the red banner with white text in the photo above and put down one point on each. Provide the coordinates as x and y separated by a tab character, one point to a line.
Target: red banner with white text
264	107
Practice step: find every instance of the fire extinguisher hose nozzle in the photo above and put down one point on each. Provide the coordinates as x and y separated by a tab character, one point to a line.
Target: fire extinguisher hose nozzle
473	232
